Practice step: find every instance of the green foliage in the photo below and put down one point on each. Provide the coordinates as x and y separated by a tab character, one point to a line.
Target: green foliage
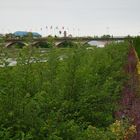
43	45
136	44
60	95
106	36
2	41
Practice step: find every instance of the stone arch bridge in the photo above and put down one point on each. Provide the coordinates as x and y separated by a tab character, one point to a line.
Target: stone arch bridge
58	41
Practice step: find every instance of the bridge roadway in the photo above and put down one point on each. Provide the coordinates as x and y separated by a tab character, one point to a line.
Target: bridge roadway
72	39
59	40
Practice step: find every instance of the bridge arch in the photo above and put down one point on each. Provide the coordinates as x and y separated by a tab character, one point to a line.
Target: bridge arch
97	43
19	44
41	44
66	44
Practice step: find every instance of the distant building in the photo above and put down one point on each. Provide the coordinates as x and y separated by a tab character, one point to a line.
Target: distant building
24	34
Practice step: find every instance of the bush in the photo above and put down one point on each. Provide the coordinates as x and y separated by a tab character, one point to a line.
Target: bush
62	94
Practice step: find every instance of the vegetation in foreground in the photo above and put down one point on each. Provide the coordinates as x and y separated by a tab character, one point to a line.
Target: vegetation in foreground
72	95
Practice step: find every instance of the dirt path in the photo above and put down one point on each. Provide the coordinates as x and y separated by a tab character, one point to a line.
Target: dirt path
130	103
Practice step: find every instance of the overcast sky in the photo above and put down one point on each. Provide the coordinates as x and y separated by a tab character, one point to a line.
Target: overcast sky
91	17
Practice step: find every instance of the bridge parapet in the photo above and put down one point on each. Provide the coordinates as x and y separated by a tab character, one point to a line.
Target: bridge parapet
70	39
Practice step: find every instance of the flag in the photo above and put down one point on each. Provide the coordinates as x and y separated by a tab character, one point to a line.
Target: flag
60	32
